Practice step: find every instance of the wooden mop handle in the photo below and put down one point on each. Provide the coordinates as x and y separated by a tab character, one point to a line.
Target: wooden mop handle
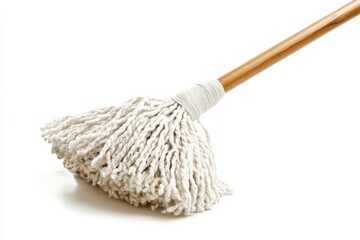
290	45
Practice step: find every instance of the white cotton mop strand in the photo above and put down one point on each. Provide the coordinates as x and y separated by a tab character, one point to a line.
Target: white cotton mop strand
147	151
156	152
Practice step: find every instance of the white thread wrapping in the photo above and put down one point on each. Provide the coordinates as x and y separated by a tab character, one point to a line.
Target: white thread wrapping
200	98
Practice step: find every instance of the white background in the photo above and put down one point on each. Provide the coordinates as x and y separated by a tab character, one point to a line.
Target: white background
286	141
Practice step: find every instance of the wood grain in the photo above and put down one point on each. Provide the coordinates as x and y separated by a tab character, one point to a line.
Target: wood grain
290	45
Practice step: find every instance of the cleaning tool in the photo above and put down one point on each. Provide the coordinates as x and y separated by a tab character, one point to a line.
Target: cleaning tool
156	152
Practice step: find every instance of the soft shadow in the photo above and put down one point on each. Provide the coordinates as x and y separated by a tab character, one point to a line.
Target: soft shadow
93	198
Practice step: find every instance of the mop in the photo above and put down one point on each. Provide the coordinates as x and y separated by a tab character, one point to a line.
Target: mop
156	152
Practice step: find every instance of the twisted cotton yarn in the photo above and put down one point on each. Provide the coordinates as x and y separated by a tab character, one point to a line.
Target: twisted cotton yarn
147	152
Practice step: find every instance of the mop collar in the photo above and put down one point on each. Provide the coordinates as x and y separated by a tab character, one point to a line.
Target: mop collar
200	98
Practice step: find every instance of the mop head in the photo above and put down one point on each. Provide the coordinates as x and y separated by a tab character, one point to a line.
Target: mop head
147	151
